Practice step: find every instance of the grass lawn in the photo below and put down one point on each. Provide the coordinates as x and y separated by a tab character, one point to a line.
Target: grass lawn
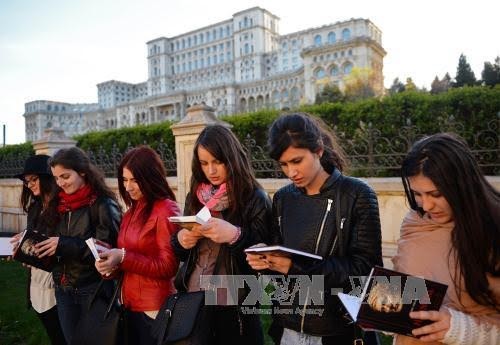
18	325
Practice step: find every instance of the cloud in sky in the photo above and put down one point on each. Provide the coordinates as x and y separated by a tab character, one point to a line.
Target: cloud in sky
59	50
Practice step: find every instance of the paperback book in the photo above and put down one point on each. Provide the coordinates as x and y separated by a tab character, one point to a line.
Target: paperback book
187	222
26	252
280	251
387	299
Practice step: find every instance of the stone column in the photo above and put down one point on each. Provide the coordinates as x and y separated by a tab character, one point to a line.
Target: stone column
186	132
53	139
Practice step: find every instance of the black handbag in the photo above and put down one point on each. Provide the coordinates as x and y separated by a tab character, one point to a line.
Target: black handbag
101	324
177	316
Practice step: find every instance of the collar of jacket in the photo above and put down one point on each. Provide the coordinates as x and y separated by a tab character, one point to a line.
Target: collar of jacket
329	182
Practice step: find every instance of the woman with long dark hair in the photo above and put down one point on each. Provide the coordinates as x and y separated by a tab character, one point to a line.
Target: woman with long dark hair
222	180
322	212
86	208
38	189
452	235
144	254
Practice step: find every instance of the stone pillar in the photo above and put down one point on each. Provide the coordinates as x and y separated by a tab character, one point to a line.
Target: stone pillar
53	139
186	132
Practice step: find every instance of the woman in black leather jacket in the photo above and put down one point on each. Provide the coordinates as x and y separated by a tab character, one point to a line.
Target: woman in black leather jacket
223	181
86	208
321	212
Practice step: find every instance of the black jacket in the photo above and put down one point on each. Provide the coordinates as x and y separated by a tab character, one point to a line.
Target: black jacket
101	220
344	231
254	221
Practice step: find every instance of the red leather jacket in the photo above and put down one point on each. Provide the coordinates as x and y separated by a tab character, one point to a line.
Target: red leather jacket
149	263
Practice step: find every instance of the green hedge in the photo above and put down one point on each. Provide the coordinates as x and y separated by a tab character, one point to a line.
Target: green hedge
473	108
151	135
24	149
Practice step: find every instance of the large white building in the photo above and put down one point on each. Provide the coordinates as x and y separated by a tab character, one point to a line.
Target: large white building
237	65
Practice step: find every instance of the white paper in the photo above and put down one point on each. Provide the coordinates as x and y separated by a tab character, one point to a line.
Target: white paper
90	242
203	216
351	303
5	246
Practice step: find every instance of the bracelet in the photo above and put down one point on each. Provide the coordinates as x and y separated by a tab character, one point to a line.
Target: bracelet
123	255
236	236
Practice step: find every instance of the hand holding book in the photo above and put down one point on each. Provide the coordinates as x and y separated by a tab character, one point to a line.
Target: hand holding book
36	249
396	302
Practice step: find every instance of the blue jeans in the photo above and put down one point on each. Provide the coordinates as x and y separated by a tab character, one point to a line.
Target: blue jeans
71	303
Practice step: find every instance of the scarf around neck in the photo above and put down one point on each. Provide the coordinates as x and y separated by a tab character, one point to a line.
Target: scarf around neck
85	196
214	198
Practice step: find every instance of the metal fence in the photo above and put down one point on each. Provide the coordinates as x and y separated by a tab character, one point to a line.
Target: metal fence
369	152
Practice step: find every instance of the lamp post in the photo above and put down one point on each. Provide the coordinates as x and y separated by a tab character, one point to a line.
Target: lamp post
3	135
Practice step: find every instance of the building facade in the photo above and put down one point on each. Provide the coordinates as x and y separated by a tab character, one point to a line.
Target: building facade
237	65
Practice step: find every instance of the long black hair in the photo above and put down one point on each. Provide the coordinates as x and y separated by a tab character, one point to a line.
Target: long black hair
225	147
48	190
148	170
448	162
301	130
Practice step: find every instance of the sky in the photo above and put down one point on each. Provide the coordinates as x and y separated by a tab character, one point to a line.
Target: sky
61	49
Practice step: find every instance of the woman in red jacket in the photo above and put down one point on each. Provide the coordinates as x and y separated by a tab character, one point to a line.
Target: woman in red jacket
144	254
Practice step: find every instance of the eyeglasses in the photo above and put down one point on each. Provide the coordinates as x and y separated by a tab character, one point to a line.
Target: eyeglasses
33	180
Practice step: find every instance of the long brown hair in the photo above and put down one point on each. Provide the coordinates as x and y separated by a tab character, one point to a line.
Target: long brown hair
225	147
148	170
449	163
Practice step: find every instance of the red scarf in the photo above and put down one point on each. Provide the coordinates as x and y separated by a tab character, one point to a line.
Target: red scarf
85	196
214	198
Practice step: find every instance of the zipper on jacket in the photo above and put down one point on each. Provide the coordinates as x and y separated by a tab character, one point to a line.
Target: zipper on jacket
64	279
342	221
304	312
328	208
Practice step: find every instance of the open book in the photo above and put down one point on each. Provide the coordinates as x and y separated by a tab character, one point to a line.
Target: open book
387	299
187	222
5	245
280	251
26	251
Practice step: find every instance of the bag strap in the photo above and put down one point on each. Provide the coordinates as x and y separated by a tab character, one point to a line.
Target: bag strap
115	296
164	318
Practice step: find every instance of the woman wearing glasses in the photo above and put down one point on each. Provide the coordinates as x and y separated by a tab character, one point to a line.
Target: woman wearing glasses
38	188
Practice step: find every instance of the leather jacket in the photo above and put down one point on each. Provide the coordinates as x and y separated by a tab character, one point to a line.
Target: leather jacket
341	226
149	264
75	265
254	222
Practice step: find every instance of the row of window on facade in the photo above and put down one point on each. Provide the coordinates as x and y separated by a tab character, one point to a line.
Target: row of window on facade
335	55
332	37
207	50
273	84
333	70
197	64
56	107
200	38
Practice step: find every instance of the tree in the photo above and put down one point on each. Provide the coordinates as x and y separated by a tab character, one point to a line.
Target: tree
396	87
465	75
491	73
330	93
410	85
359	84
439	86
